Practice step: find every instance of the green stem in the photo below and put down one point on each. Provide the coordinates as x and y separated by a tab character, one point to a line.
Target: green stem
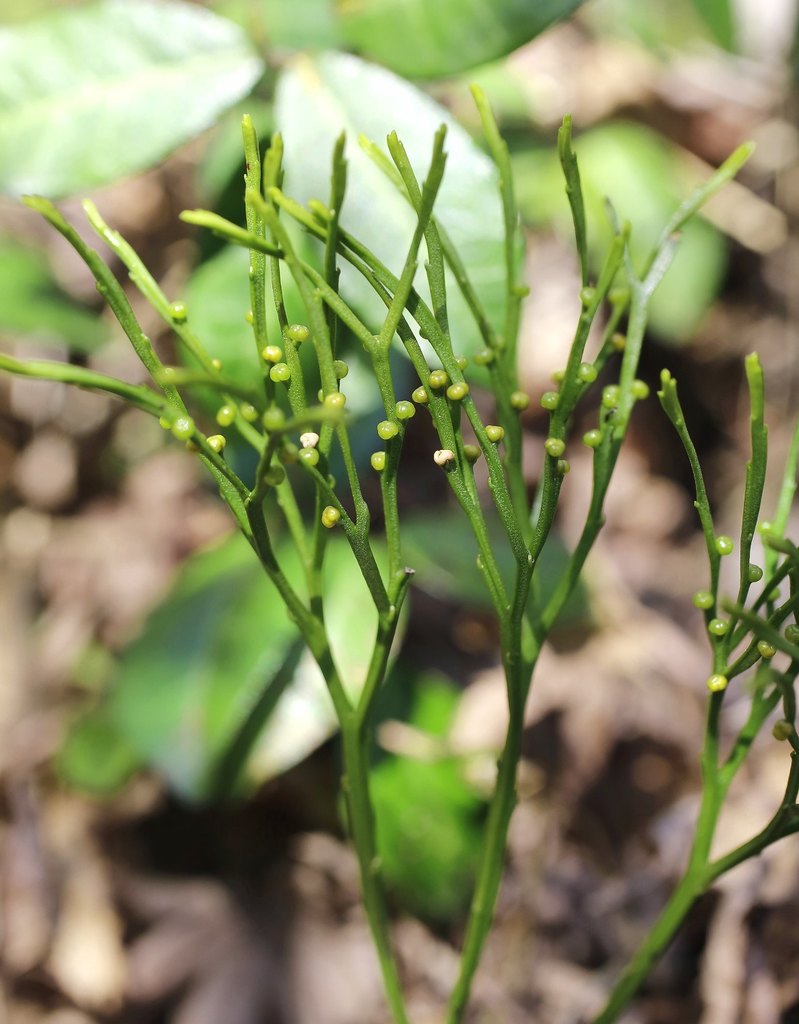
255	224
699	876
490	869
111	291
355	787
659	937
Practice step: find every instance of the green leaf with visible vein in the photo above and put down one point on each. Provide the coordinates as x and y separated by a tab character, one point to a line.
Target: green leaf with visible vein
92	94
317	100
424	39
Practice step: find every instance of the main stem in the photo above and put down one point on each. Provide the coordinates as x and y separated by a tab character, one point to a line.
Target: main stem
692	884
661	934
355	786
489	872
492	857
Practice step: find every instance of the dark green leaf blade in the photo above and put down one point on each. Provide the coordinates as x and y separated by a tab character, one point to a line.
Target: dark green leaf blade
420	39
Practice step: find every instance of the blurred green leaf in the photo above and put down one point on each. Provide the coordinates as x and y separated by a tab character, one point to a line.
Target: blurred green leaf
91	94
218	693
440	547
218	296
97	756
221	166
639	172
420	39
309	25
203	659
719	16
304	717
32	306
428	817
316	100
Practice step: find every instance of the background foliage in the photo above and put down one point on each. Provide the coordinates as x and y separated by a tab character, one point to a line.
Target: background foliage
172	676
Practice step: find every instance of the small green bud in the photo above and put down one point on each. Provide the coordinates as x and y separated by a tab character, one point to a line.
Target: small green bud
178	312
217	442
248	412
335	400
765	528
610	396
587	295
462	362
618	296
754	573
308	456
519	400
419	395
183	428
587	373
549	400
280	373
472	452
640	389
330	516
563	467
557	376
274	475
386	429
483	357
494	433
165	422
298	333
404	410
592	438
703	599
724	545
438	379
457	392
717	682
782	730
248	317
555	447
378	461
618	341
765	649
340	368
217	364
272	353
225	415
792	634
273	419
718	627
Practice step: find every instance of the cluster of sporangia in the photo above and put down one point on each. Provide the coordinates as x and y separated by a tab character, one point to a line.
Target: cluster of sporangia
273	419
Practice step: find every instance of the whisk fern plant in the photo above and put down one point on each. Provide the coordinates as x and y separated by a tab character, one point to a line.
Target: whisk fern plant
296	438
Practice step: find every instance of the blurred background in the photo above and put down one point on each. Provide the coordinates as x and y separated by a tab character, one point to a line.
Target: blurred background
136	885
